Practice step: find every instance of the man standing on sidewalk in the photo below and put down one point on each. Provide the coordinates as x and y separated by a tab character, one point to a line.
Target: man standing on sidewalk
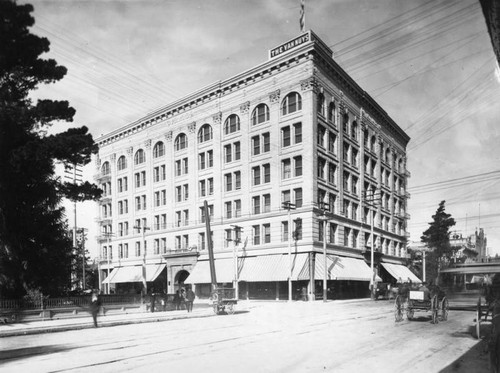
189	300
95	304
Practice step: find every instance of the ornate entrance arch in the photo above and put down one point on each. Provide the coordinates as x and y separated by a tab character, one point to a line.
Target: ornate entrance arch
180	277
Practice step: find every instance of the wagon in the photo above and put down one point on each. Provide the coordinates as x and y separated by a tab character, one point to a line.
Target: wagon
223	300
419	300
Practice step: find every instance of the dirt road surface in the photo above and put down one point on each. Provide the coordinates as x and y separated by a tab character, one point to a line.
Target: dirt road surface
356	336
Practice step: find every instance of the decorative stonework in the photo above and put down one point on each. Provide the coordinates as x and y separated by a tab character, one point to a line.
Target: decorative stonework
192	127
147	144
130	151
217	118
308	84
113	157
98	163
245	107
274	97
168	136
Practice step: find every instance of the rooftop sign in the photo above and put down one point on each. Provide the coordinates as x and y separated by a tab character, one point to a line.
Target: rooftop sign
289	45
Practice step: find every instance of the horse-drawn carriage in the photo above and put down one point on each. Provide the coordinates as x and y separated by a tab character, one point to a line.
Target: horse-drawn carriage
223	300
408	301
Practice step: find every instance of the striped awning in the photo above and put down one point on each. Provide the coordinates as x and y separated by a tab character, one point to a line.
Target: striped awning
339	268
401	273
268	268
224	271
134	273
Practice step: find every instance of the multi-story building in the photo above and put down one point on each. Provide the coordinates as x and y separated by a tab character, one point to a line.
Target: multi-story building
274	151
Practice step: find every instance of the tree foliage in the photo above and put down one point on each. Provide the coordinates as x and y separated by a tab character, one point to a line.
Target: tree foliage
437	237
35	249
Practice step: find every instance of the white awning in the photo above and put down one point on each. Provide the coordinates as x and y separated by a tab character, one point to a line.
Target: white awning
400	273
134	273
224	272
269	268
339	268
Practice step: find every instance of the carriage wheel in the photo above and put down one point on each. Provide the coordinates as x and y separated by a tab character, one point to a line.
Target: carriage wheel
445	307
435	310
398	309
229	308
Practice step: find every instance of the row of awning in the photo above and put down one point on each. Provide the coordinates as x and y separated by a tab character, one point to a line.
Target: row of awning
269	268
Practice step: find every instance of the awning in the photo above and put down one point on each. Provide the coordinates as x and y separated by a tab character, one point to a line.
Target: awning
400	272
473	269
338	268
224	271
134	273
268	268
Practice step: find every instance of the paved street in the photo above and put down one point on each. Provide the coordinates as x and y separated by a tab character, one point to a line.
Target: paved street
352	336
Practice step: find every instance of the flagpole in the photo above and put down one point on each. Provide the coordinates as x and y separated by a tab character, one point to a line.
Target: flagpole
302	16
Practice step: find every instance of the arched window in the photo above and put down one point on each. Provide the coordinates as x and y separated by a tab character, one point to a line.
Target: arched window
105	169
122	163
321	103
354	130
401	166
232	124
159	150
260	114
291	103
373	143
345	123
205	133
388	155
140	157
331	112
181	142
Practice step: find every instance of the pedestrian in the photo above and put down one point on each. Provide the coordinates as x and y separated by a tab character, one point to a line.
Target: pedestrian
189	299
182	297
95	304
177	300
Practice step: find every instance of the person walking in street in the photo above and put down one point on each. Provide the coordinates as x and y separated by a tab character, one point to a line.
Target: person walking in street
95	304
182	297
189	299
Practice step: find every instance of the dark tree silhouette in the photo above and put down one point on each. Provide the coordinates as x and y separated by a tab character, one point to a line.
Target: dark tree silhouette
35	249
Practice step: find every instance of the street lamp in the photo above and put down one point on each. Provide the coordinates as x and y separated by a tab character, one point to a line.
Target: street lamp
289	206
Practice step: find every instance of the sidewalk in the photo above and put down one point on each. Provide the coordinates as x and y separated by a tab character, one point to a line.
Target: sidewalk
200	309
64	324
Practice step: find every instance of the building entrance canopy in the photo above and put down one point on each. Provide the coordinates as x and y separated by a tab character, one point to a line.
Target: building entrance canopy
134	273
401	273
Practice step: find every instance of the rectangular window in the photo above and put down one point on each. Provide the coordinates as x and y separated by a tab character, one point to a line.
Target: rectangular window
256	234
285	196
210	186
267	202
120	185
237	180
143	178
256	204
321	167
201	161
320	140
256	145
237	151
163	172
266	139
267	233
286	169
178	194
178	168
203	188
298	132
256	175
332	232
297	229
331	173
267	173
298	197
298	165
346	181
285	136
331	142
228	153
284	231
346	152
137	180
185	165
229	210
237	208
228	181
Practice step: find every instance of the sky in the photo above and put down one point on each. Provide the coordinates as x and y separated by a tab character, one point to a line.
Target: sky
429	64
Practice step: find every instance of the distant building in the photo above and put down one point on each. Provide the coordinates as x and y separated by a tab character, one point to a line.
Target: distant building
295	129
476	242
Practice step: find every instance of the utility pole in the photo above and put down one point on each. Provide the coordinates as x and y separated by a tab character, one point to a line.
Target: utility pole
287	205
371	201
237	240
73	173
325	207
143	228
84	262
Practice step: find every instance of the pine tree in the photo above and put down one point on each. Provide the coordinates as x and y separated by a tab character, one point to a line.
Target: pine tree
437	237
35	249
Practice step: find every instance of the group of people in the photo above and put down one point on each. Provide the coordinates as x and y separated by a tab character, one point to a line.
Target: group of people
184	298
